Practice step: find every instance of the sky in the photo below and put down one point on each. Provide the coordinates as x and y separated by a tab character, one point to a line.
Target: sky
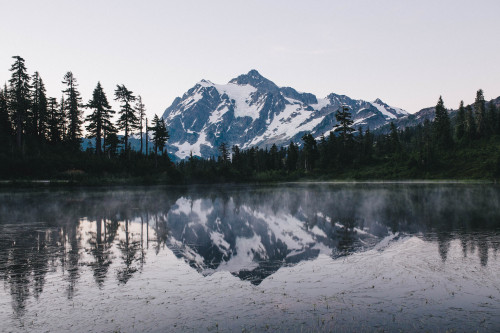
406	53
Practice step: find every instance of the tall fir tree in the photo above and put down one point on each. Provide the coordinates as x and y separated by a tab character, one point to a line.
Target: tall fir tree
141	113
367	146
146	129
55	122
460	122
491	118
292	157
310	152
442	126
344	127
19	98
223	153
480	109
470	124
39	114
100	118
73	111
160	134
128	120
394	142
5	123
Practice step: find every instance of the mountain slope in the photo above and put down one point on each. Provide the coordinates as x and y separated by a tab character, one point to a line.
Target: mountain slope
251	110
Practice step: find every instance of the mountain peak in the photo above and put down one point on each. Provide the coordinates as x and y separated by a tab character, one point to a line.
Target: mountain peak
255	79
378	101
254	74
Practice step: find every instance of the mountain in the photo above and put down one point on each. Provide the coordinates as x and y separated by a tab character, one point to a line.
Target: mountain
253	238
251	110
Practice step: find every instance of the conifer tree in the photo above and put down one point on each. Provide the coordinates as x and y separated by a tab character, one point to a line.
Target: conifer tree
100	119
441	126
5	124
160	134
128	120
345	122
367	145
460	122
275	159
146	129
395	144
292	157
470	124
111	143
310	151
491	117
224	153
39	114
141	113
480	109
236	159
19	97
55	121
73	112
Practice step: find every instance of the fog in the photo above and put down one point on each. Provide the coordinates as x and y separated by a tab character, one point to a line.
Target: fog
80	239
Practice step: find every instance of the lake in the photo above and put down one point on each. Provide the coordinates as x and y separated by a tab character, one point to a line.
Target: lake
292	257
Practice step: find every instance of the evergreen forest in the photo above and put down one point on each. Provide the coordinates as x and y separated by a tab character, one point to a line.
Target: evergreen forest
41	139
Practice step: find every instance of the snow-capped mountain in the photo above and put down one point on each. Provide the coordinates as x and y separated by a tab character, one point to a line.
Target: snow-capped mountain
254	241
250	110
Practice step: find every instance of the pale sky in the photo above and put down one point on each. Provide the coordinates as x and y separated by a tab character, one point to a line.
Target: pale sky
407	53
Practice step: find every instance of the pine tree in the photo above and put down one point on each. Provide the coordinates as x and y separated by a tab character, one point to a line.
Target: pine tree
441	126
39	113
236	159
146	128
71	106
292	157
141	112
491	117
395	144
160	134
19	97
480	108
111	143
367	146
310	151
345	122
100	119
5	124
275	159
224	153
128	120
460	122
64	117
55	121
470	124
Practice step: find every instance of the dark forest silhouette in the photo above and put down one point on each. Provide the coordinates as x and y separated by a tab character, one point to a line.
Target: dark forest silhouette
40	138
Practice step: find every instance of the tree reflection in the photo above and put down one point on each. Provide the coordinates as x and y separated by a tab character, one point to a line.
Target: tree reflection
129	248
100	250
250	231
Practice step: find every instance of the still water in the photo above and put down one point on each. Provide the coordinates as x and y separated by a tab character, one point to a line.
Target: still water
295	257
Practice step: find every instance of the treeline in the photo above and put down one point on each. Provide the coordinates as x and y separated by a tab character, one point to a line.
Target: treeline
42	136
464	145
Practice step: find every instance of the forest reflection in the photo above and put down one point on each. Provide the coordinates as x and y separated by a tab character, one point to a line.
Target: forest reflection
249	231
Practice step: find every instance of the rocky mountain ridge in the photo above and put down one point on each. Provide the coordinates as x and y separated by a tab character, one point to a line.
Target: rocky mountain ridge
250	110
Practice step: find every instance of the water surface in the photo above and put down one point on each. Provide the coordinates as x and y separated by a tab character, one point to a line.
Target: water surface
300	257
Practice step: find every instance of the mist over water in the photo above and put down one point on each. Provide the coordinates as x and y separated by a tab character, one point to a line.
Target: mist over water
296	256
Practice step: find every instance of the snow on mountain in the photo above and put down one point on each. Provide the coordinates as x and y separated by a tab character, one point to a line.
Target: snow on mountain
251	110
250	241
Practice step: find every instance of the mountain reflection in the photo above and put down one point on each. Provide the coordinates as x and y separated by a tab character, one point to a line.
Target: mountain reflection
248	231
